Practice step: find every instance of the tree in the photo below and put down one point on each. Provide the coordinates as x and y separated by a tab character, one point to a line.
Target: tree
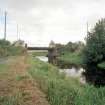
4	46
94	51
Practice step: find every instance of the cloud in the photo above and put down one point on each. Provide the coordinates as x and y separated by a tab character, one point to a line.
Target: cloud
43	20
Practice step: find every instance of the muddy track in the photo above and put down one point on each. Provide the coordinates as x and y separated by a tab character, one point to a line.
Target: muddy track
17	82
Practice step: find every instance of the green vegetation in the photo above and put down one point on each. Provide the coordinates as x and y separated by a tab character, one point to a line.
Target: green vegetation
94	51
12	100
57	87
3	69
71	53
4	48
101	65
94	54
8	49
41	53
16	50
70	47
15	99
72	58
61	90
17	86
21	77
90	96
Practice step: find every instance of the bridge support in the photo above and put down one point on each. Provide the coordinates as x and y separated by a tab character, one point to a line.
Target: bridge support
52	56
52	53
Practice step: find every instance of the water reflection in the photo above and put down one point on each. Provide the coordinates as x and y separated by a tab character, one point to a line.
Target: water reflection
42	58
90	74
75	73
69	69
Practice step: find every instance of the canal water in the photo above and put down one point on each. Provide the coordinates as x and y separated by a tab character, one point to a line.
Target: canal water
42	58
72	71
89	74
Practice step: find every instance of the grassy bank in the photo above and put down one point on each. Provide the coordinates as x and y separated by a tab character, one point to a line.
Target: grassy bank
72	58
58	88
61	90
40	53
22	78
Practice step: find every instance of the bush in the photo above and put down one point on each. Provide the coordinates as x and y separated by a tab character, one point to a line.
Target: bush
16	50
94	51
7	49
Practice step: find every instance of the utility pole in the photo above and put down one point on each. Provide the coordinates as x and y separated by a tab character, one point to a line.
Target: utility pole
87	29
5	25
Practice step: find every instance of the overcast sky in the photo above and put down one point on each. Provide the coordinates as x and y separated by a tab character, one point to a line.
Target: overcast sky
40	21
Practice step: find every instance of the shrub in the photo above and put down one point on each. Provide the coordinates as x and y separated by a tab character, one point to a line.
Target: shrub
94	51
7	49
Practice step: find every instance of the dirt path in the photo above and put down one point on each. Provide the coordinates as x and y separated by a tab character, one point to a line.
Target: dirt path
17	87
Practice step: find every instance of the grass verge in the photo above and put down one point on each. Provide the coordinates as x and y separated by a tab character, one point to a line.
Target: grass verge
61	90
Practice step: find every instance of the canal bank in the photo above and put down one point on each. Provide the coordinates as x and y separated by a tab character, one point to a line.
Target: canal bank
63	90
69	70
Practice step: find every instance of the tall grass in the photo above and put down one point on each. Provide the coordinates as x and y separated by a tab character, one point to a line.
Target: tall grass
91	96
61	90
12	100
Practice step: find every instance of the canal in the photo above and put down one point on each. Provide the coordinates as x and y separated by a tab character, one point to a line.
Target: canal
72	71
